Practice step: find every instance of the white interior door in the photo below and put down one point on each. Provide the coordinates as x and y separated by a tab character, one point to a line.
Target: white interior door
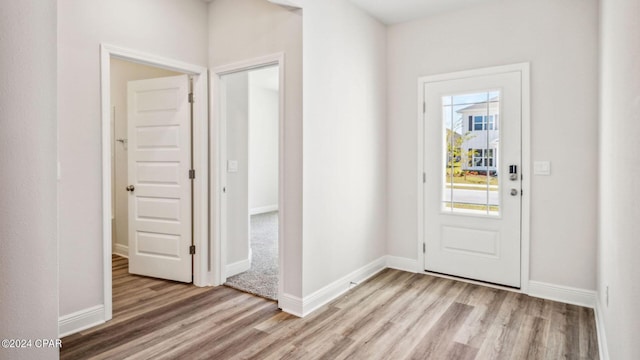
159	159
472	181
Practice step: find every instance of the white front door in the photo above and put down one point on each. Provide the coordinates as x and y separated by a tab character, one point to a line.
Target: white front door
159	159
472	177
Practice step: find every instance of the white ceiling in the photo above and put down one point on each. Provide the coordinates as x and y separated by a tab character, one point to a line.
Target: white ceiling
397	11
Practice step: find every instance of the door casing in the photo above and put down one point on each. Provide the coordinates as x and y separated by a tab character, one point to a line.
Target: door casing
202	274
218	132
523	68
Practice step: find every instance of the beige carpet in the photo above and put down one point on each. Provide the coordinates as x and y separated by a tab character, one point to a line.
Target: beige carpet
262	278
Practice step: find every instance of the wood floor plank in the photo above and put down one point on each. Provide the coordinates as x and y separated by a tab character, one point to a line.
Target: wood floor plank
183	329
556	337
439	338
128	332
288	352
482	317
373	332
459	351
373	346
530	343
236	337
423	316
293	332
572	332
394	315
588	338
499	340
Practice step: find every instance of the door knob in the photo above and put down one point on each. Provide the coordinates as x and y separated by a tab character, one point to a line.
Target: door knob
514	192
131	188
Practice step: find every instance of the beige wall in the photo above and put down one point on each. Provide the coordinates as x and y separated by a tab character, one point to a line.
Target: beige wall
619	203
263	139
121	73
246	29
28	232
175	29
559	39
345	178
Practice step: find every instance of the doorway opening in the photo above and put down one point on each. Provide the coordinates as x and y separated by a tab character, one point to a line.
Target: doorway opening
251	113
122	72
151	202
249	102
155	173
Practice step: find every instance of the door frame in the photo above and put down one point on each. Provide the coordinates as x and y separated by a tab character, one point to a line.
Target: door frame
526	172
218	131
200	141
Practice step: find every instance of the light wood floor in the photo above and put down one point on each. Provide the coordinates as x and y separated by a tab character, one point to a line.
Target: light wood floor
395	315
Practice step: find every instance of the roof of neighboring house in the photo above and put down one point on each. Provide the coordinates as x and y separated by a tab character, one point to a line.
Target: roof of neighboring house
478	106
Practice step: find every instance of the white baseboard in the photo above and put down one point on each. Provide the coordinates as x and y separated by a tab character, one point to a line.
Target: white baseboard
80	320
603	347
303	307
121	250
328	293
263	209
563	294
238	267
290	304
404	264
539	289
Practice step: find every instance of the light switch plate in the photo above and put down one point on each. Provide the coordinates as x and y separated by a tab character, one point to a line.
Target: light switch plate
541	168
232	165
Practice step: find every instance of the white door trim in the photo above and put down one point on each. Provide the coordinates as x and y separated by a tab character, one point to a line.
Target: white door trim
201	272
523	68
218	131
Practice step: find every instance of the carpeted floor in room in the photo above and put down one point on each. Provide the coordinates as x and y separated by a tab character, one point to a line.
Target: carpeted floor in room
262	278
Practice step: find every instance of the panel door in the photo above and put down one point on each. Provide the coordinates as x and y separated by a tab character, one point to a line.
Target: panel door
159	159
472	188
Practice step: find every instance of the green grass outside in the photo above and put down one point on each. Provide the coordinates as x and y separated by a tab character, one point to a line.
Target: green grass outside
472	179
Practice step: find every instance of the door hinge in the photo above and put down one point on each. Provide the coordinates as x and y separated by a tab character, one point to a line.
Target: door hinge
424	248
192	174
521	192
424	107
191	98
424	178
192	250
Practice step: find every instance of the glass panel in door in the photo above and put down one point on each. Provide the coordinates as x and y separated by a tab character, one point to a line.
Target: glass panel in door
471	149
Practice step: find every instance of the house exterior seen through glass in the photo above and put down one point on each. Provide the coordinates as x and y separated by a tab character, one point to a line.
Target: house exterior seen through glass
471	141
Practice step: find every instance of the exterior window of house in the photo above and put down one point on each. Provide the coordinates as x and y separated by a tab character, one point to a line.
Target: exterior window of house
482	158
483	122
478	123
477	157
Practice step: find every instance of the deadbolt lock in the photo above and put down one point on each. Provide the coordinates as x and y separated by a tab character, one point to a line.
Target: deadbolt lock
513	172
